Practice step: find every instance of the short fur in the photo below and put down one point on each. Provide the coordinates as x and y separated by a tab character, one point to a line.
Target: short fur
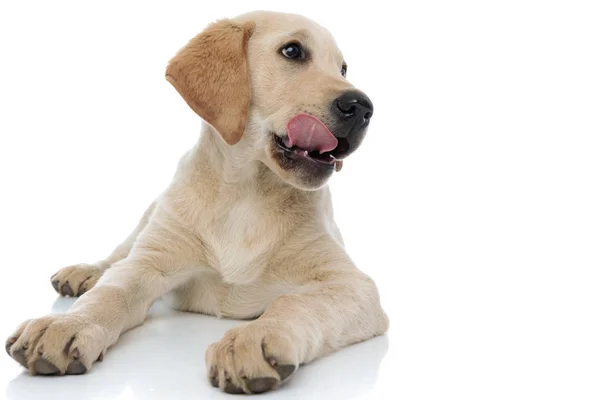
235	235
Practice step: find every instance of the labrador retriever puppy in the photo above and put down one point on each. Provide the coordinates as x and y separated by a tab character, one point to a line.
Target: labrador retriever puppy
245	230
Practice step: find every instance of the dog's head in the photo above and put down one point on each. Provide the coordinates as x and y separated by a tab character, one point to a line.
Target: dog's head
275	85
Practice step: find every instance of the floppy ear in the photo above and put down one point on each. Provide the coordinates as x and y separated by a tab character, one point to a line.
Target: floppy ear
211	74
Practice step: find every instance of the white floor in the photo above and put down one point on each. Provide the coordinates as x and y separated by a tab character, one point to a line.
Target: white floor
164	359
446	341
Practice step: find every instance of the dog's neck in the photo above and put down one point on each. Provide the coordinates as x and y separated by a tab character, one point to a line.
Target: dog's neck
236	165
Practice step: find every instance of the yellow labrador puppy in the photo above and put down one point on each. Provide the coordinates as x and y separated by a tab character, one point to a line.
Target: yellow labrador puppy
246	228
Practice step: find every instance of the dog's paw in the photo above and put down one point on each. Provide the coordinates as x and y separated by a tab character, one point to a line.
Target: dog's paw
75	280
57	345
252	358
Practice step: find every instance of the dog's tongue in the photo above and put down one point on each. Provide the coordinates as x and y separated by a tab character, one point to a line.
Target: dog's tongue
308	133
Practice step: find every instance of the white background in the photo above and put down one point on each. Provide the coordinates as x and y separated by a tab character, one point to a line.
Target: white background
474	202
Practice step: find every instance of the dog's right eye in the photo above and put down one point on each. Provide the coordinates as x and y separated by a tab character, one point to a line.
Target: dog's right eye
293	51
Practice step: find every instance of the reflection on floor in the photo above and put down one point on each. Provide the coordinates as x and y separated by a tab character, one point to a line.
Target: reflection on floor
164	359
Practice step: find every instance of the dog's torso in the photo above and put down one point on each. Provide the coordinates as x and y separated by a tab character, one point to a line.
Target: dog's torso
245	238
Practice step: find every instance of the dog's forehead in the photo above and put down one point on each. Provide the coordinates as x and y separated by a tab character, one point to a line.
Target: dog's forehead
276	28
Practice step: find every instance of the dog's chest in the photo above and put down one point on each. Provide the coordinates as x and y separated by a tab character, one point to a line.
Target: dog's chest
240	238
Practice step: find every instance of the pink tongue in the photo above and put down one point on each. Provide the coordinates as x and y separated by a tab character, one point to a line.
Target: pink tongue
308	133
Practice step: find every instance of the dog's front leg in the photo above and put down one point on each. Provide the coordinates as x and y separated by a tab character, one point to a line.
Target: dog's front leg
75	280
69	343
319	318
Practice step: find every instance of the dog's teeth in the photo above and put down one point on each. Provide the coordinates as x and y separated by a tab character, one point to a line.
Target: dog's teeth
305	153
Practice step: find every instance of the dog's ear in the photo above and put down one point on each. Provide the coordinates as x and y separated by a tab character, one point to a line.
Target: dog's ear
211	74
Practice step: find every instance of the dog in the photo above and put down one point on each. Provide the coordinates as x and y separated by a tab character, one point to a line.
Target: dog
245	230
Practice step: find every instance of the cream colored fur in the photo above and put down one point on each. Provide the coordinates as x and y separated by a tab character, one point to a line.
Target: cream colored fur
233	235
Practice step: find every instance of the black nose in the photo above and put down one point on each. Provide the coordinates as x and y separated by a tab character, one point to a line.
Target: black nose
353	110
354	107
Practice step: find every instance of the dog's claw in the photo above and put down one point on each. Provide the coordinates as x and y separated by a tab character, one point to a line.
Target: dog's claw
45	367
66	289
232	389
285	371
19	356
9	344
76	368
261	385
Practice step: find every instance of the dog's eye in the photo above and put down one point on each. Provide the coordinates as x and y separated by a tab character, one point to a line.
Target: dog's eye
293	51
344	69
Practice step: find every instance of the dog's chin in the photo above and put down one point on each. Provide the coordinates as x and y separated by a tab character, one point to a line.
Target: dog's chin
299	168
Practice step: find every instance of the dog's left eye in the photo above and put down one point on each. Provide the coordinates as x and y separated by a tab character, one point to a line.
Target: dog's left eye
293	51
344	69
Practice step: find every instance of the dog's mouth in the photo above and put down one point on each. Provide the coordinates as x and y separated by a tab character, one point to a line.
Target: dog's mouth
327	158
309	138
